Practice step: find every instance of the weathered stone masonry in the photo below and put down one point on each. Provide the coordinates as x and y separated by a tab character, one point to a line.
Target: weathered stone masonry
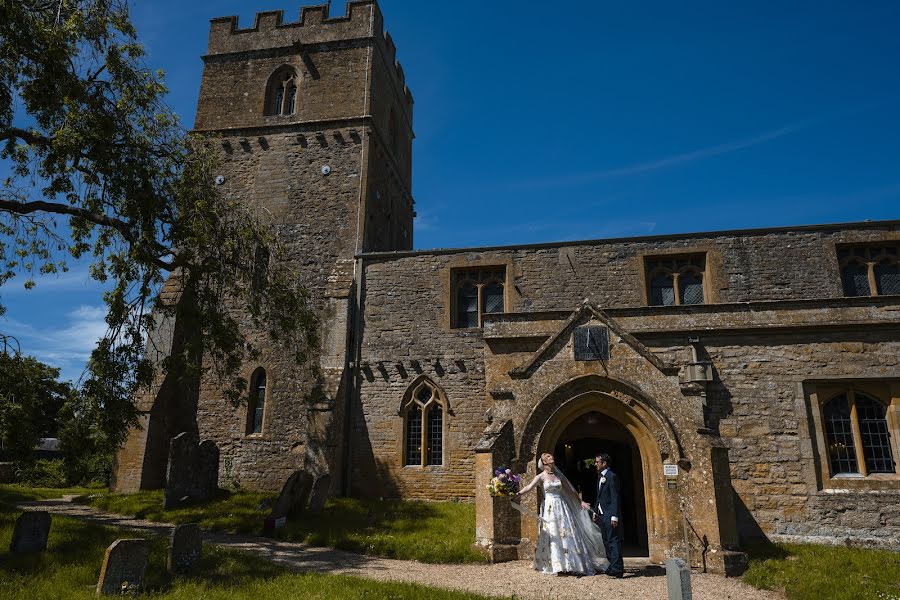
773	339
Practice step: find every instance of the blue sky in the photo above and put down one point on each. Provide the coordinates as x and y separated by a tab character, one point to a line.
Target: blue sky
540	121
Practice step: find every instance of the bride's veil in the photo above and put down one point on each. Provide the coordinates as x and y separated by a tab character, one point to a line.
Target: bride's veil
586	529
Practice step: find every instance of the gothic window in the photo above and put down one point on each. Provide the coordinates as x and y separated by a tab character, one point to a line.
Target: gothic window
477	292
423	412
871	270
857	435
257	402
676	280
281	92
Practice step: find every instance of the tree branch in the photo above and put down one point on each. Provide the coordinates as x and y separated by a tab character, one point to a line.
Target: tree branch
123	227
26	136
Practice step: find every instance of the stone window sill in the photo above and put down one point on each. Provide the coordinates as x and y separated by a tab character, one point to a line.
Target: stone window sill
852	482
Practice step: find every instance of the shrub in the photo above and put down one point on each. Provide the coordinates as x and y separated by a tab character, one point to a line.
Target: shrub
44	472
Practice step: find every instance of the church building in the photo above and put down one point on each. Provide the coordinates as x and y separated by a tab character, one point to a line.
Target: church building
746	383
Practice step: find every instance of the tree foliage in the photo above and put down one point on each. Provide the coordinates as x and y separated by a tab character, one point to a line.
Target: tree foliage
100	169
31	398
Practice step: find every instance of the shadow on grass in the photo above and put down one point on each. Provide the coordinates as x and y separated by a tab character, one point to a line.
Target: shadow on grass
765	550
433	532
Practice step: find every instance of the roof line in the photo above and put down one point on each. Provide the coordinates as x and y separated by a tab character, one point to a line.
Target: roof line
891	224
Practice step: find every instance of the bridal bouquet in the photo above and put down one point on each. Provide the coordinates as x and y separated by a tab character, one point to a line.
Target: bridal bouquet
504	483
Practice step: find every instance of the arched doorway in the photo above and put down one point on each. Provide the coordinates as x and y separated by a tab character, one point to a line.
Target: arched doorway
575	449
634	428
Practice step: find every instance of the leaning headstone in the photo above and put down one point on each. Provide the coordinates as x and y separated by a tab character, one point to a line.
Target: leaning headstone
319	493
678	579
31	532
193	470
294	495
123	567
185	548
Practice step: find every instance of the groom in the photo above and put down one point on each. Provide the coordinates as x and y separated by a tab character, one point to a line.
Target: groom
607	514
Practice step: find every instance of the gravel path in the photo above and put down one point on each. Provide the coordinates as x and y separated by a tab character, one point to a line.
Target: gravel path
493	580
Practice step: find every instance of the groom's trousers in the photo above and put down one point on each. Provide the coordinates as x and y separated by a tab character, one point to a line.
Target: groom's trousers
613	546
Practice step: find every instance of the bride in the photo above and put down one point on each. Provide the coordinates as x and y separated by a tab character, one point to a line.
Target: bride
568	542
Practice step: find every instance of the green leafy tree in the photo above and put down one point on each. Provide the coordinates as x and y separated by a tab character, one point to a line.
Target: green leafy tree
31	398
100	169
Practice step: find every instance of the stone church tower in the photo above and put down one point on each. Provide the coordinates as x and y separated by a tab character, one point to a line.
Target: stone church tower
314	121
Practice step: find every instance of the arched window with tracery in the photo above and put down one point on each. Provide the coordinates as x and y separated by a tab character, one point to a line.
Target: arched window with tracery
256	405
282	92
675	280
870	270
423	411
857	434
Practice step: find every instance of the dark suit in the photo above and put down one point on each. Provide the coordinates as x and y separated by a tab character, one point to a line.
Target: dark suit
607	506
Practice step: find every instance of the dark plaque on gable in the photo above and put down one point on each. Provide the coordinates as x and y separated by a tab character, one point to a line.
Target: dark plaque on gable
592	343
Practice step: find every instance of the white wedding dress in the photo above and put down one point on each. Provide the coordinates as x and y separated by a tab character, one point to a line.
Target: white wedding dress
561	548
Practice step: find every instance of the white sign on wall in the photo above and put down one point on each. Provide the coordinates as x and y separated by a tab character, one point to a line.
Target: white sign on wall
670	470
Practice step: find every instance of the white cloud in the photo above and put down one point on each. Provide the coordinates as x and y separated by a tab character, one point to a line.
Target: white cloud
67	347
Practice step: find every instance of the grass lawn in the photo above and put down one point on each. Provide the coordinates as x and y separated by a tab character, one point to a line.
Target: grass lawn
813	572
71	565
431	532
12	493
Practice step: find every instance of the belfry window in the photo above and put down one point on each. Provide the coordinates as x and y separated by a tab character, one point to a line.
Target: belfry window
423	413
256	405
675	280
281	92
871	270
857	435
477	292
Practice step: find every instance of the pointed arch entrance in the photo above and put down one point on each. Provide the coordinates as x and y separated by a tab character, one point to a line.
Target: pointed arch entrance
596	411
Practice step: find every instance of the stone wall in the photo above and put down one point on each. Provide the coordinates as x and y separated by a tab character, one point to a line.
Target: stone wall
775	319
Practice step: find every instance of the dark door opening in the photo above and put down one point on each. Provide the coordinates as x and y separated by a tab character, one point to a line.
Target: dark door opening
575	451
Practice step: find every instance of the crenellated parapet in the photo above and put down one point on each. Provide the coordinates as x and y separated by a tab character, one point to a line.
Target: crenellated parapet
362	20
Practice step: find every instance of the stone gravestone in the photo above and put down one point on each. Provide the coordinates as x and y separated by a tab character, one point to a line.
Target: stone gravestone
31	532
193	470
123	567
319	493
185	548
294	495
678	579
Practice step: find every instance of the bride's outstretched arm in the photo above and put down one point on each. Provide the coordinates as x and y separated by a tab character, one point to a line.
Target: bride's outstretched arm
573	492
528	487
